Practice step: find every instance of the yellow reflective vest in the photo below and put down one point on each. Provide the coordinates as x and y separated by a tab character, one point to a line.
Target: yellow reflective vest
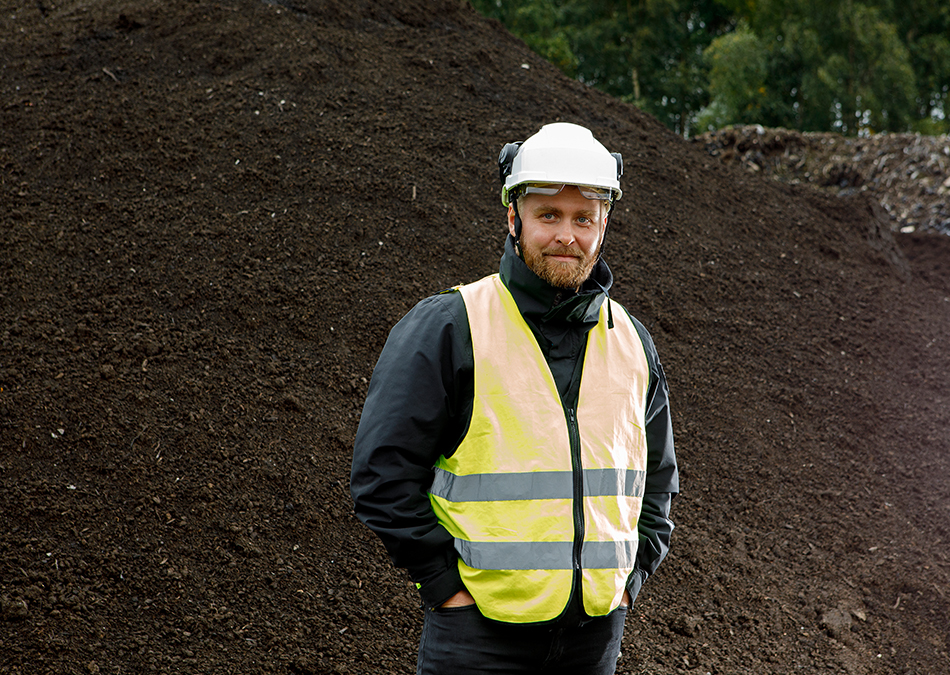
536	490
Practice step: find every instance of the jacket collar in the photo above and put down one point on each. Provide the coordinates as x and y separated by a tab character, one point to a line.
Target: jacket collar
540	302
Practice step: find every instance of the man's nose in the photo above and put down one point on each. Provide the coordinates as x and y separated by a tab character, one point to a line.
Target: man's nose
565	234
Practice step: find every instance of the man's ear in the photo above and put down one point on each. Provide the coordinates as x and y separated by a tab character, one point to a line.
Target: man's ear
511	220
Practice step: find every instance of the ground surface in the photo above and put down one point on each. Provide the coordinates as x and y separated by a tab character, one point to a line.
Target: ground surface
212	214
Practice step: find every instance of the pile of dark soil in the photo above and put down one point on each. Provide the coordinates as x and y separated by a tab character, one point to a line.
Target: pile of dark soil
212	214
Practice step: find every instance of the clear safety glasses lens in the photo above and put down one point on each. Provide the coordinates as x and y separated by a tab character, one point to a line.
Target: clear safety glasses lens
549	190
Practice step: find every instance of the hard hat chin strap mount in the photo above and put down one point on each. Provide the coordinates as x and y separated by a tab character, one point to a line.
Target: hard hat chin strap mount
506	158
603	241
514	205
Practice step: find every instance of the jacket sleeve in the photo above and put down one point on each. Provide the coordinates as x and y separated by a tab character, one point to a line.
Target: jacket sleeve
662	480
417	408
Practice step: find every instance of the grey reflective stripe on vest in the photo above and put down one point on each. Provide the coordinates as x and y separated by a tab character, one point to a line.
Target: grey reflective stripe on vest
607	482
545	555
503	487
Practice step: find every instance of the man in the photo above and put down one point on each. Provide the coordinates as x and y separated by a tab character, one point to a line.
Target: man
515	450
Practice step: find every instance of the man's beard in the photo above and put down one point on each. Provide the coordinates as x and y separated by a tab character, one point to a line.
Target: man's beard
560	274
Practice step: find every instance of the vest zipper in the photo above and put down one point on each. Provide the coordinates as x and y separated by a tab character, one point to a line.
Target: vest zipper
578	476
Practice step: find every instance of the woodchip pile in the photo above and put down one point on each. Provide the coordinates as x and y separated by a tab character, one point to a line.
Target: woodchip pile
909	174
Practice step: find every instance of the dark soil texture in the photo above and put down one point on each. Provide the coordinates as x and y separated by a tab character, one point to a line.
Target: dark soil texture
211	214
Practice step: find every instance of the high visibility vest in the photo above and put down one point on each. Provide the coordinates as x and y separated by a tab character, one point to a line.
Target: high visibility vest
536	490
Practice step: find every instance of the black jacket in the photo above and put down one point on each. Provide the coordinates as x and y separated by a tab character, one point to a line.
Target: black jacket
419	406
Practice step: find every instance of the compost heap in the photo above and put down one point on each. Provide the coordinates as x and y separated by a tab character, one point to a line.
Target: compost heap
212	214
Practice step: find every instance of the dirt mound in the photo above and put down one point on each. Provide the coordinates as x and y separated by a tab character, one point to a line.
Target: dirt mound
908	174
212	214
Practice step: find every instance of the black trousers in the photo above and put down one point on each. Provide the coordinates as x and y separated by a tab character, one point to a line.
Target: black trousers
460	641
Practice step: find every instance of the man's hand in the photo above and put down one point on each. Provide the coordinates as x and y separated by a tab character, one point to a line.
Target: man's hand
625	601
460	599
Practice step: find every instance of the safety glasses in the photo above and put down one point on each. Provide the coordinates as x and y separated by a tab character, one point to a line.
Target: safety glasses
550	189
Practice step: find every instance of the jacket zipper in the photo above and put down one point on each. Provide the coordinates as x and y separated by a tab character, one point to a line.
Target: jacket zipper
578	477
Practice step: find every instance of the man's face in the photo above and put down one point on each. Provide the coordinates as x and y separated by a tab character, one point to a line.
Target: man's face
561	235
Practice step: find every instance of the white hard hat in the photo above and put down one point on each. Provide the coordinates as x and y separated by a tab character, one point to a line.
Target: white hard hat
560	153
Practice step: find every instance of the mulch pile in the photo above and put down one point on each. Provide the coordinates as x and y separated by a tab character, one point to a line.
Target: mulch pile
908	174
212	214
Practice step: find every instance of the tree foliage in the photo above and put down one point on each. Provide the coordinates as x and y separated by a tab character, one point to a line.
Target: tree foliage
648	52
852	66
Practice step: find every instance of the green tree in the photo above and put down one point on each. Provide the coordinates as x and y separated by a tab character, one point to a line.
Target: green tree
649	52
924	25
853	66
829	66
738	74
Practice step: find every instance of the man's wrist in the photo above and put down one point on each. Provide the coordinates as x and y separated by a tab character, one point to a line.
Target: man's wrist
436	591
634	583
